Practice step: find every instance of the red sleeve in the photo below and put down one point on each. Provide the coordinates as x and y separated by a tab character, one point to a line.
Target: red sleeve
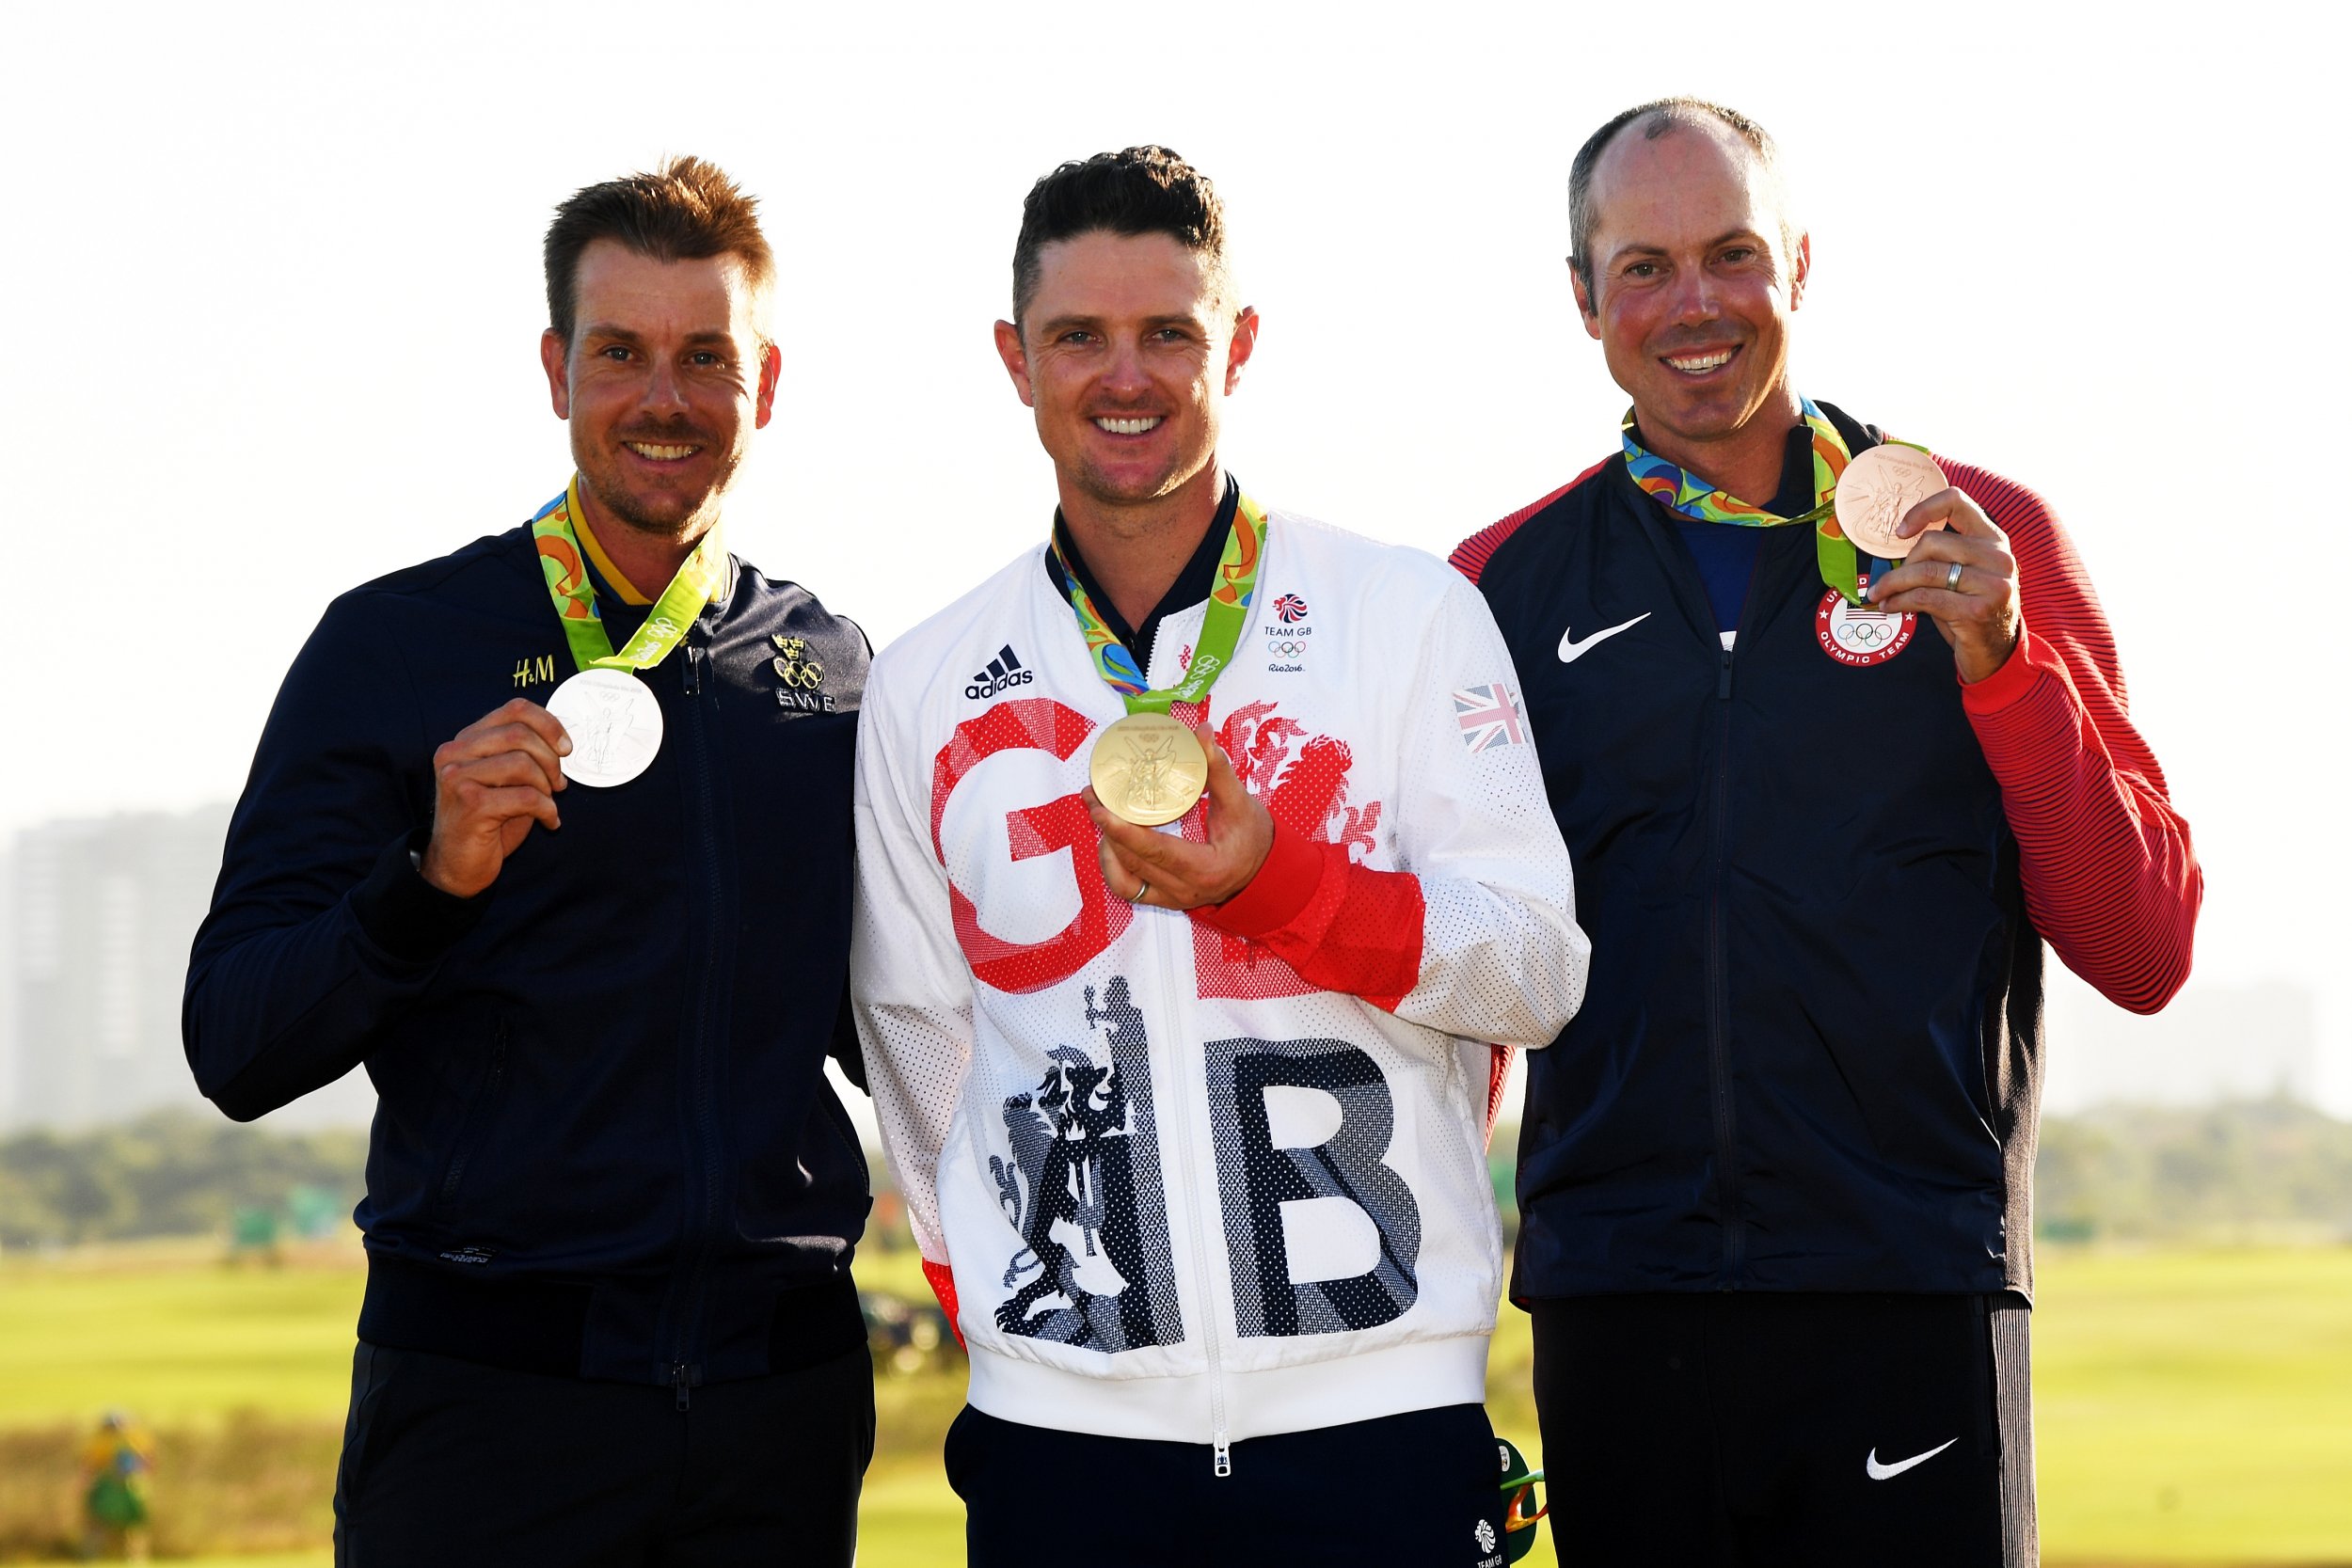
1471	556
1498	1080
2111	879
942	1283
1340	925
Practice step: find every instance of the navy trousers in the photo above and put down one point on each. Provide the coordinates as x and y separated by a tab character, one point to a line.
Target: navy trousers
1421	1490
455	1464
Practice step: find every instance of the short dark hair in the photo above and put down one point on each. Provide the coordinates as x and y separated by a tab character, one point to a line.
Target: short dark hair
1664	115
1136	190
686	211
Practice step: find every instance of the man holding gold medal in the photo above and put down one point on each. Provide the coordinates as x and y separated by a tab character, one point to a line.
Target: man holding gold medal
1183	924
1775	1177
562	856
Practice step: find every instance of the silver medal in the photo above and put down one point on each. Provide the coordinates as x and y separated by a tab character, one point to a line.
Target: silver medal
615	725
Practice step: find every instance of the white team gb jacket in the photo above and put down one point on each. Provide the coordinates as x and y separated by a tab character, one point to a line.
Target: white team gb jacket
1214	1176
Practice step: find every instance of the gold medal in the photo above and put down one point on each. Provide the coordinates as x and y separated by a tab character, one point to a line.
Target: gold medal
1148	769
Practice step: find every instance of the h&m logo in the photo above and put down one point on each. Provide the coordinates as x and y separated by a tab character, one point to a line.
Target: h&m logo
533	672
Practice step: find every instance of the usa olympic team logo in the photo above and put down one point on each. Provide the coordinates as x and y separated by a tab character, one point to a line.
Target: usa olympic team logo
1860	637
1290	609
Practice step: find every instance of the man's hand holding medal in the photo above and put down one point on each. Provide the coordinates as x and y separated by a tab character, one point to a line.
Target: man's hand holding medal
1957	571
1144	866
1949	561
490	784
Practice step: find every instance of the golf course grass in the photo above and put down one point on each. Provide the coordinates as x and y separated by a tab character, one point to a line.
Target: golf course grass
2192	1407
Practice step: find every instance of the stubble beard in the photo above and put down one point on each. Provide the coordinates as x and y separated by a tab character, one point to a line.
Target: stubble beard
663	515
1115	497
1112	496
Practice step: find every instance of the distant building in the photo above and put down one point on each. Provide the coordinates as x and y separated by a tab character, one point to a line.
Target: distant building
8	984
94	931
2220	1041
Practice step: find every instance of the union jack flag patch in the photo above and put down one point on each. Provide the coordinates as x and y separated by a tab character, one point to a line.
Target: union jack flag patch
1487	716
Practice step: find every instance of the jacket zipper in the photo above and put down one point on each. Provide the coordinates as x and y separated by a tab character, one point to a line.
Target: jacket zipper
1719	990
1221	1455
684	1375
1718	956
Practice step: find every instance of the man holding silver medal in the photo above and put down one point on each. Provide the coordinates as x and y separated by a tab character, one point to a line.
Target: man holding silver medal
1775	1177
1179	939
553	835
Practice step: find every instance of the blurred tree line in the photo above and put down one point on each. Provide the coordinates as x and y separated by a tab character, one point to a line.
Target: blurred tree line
174	1173
2123	1173
2246	1169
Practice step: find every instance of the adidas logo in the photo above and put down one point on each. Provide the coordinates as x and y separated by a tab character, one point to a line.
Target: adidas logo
1003	673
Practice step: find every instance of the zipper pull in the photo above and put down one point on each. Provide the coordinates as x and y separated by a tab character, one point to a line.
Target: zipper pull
694	679
682	1378
1723	681
1224	1465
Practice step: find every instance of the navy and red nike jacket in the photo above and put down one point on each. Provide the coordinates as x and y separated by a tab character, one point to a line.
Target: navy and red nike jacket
1817	873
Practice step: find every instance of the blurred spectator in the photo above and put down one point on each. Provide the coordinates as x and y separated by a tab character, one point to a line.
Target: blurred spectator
114	1466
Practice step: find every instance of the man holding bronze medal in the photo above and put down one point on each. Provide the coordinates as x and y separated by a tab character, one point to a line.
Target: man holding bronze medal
1775	1177
1183	923
562	856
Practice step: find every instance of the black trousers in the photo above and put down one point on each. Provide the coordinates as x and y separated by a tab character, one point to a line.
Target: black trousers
1421	1490
1769	1429
450	1462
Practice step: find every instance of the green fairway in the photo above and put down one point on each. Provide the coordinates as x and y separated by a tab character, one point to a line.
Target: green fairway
171	1331
2196	1407
2192	1407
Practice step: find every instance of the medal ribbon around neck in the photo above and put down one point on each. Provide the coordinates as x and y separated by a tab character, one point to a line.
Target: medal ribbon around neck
1692	497
1220	629
698	580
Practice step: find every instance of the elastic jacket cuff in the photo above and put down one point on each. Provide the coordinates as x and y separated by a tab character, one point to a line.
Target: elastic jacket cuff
1274	897
406	916
2015	676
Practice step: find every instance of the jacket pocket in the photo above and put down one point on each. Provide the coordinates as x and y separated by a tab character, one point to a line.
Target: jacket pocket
797	1176
473	1126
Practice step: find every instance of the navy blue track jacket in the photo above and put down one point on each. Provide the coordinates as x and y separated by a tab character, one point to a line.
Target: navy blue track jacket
604	1146
1809	1055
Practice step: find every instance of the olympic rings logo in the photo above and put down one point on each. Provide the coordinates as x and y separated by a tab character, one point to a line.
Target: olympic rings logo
1860	638
1865	634
1285	650
809	677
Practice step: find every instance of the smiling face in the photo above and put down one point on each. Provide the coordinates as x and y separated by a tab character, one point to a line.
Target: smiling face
1127	349
664	383
1694	293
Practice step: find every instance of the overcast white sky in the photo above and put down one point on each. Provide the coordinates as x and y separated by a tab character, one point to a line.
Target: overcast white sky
275	301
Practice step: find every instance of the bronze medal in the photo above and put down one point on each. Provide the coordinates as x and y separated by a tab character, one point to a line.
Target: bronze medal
1878	487
1148	769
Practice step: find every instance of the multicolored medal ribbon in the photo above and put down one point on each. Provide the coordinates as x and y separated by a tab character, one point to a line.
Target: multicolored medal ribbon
1524	1508
1680	491
613	718
1148	767
697	582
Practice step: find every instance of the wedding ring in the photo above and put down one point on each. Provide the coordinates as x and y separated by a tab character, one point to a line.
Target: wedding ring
1143	890
1952	579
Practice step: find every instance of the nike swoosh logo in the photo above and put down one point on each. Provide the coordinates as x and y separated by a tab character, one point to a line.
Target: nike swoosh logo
1881	1472
1571	650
